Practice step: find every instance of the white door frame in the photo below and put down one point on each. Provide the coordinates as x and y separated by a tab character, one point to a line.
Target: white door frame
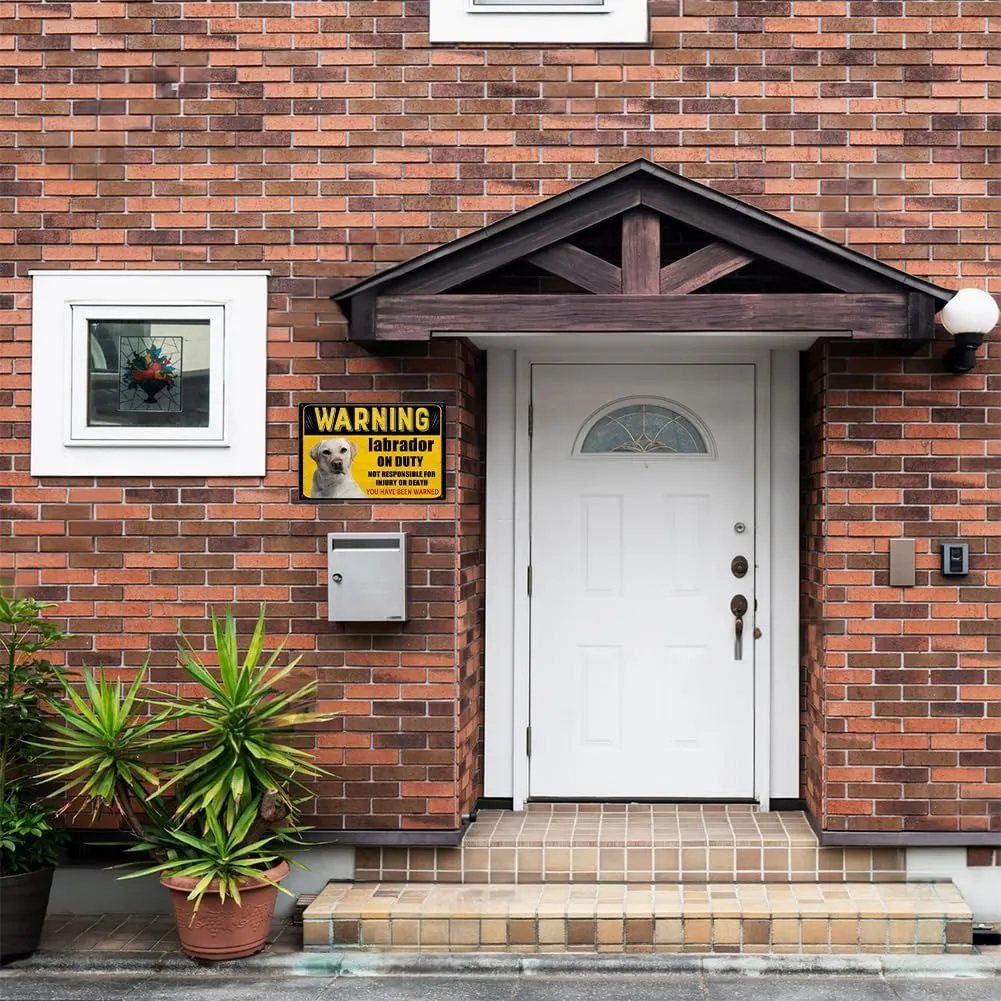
508	543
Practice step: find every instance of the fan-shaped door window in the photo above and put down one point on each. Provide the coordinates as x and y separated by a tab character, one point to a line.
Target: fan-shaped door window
643	427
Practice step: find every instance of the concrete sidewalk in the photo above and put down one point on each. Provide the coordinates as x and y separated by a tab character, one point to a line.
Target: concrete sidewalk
684	987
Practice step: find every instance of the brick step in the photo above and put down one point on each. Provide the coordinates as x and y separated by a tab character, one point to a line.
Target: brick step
613	864
606	917
633	844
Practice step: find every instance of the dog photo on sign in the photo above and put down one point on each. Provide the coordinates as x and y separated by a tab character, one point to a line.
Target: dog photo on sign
332	478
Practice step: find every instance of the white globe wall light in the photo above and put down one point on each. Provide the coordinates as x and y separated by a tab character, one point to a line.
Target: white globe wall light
969	315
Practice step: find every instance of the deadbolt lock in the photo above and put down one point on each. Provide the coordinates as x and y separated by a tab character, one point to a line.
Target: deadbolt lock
739	566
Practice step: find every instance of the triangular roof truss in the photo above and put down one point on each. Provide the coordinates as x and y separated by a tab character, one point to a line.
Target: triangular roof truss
642	249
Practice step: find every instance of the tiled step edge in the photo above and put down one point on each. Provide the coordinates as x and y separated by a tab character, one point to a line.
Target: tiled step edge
724	918
474	863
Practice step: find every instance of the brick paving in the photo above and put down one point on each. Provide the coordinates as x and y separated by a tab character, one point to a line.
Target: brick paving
147	933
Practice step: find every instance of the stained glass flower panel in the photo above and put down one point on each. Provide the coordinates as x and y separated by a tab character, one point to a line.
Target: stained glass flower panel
148	373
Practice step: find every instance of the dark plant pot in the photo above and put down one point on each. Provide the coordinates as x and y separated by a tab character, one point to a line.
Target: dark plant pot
23	902
224	930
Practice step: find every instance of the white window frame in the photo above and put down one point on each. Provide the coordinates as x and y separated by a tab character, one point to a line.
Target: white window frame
614	22
539	6
234	303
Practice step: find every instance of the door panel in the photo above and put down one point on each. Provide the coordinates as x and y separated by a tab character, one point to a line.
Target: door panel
636	690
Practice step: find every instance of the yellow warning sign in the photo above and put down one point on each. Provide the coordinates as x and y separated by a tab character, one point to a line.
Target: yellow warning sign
376	452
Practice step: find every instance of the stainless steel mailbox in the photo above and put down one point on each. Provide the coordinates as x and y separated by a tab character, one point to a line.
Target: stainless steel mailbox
366	576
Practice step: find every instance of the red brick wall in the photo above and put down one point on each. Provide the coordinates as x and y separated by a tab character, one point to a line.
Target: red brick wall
403	750
813	573
470	542
910	688
130	560
326	140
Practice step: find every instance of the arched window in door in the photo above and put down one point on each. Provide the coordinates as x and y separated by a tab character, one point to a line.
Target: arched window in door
644	427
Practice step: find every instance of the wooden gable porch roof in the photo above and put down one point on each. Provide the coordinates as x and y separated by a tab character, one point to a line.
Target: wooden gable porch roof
800	280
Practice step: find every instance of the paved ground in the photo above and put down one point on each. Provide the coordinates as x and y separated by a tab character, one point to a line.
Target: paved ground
153	934
90	987
110	958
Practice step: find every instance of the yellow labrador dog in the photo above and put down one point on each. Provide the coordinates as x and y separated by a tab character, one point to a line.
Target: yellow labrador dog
332	478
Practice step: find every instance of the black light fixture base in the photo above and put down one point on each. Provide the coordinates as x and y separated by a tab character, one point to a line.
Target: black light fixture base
962	356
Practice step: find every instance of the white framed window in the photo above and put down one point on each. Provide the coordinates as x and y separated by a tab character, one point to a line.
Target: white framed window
539	6
139	373
540	21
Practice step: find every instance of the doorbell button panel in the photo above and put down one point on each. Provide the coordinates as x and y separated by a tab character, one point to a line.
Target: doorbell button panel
955	559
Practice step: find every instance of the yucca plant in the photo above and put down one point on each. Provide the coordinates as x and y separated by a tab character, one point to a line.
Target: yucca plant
105	744
241	746
209	784
220	856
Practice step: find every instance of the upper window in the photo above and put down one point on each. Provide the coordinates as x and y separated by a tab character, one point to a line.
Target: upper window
147	361
538	5
588	22
643	427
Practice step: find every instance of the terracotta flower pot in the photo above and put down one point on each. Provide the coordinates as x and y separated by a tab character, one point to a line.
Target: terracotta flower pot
23	900
224	930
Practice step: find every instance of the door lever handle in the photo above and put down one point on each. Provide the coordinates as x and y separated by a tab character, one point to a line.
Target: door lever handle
738	607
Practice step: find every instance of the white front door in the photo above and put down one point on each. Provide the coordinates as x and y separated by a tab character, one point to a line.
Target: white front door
642	496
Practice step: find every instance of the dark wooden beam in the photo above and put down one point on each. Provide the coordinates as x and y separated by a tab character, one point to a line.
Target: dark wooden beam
640	252
451	269
578	266
762	240
921	310
361	326
701	268
865	317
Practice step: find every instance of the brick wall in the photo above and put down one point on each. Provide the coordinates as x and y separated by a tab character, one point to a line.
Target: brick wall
471	554
813	573
404	750
911	683
326	140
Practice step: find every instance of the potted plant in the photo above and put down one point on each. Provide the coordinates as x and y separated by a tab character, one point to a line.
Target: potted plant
208	780
30	845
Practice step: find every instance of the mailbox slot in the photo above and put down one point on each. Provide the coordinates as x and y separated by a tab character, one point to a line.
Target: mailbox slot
366	577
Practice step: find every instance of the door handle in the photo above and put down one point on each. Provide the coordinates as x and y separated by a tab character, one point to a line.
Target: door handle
738	607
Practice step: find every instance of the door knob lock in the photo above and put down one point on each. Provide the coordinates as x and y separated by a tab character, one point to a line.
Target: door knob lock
739	566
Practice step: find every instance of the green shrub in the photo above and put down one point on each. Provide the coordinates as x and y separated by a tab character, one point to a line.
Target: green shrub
28	682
